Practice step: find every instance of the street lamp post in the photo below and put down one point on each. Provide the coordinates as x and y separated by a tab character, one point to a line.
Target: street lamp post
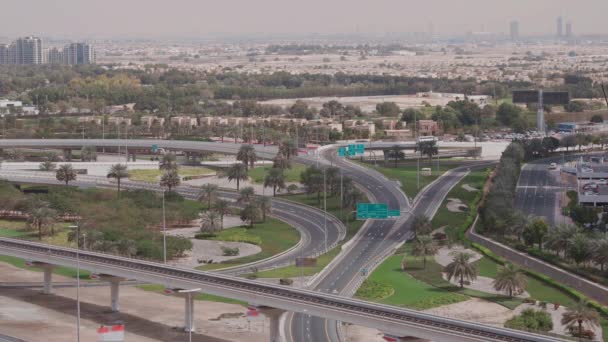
190	309
164	230
77	280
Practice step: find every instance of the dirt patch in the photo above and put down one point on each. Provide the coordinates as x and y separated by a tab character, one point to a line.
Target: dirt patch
475	309
469	188
445	255
455	205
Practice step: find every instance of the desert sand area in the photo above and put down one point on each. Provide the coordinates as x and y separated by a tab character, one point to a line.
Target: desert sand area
148	316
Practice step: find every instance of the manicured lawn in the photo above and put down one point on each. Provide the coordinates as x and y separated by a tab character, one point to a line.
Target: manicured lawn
257	174
153	175
13	229
408	291
406	174
199	296
444	217
536	288
273	237
293	271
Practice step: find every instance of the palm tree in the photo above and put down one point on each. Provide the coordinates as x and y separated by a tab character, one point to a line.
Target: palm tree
579	314
246	195
518	223
424	246
170	179
41	217
222	208
396	153
247	155
237	172
281	162
168	162
579	248
127	247
65	173
250	213
288	148
208	193
265	205
210	222
600	252
118	172
510	279
421	226
560	236
461	268
275	179
47	165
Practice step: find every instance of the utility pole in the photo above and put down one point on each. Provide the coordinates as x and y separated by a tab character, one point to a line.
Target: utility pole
77	227
325	207
417	148
164	230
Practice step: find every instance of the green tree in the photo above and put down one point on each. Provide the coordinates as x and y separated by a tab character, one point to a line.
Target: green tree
250	213
568	141
312	179
597	118
246	195
88	153
427	148
42	217
507	114
421	225
247	156
170	179
118	172
281	162
275	178
237	172
461	268
579	248
580	314
535	232
210	222
265	205
288	148
388	109
396	154
65	173
222	207
510	279
208	193
424	246
168	162
560	237
550	143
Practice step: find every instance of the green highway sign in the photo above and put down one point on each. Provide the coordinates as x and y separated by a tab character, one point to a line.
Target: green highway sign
394	213
154	148
372	211
351	152
342	152
360	148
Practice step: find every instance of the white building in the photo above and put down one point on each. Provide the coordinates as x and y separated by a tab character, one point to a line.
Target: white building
7	107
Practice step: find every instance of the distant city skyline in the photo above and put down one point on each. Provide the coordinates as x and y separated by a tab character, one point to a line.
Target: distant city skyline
196	18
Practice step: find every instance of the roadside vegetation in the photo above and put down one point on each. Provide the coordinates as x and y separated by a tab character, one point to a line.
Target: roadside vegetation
153	175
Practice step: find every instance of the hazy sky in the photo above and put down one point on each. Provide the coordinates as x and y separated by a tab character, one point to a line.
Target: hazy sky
88	18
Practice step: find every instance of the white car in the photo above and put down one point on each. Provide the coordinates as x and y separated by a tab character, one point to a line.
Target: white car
589	193
602	181
587	170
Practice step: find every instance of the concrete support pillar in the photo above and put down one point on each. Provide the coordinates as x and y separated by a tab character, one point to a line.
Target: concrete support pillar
114	289
48	281
189	313
274	315
48	275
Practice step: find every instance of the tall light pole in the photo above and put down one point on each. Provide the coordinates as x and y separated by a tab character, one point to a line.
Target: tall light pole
325	207
77	227
190	309
3	127
164	230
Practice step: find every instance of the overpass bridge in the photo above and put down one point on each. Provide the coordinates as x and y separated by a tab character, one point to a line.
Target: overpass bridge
391	320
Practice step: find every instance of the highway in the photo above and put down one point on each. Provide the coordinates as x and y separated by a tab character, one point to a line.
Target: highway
307	220
386	318
377	241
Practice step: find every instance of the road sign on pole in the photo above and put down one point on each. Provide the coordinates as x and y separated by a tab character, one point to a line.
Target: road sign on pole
342	152
154	148
394	213
372	211
360	148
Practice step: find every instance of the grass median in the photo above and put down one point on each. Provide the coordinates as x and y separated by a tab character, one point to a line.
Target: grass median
257	174
273	237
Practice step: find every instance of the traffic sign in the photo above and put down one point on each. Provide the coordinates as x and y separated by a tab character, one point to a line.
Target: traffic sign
394	213
342	152
372	211
351	152
154	148
360	149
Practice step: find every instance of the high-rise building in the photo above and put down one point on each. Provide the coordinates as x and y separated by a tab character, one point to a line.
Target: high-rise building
54	56
569	29
560	27
4	56
26	51
78	53
514	30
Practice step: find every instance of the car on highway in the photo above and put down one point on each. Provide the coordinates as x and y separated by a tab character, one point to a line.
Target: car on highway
602	181
590	186
552	166
590	193
586	169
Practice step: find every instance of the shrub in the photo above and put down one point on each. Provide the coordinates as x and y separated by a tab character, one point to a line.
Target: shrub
286	281
205	236
227	251
531	319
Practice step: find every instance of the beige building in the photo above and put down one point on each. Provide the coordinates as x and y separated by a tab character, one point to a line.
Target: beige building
148	120
184	121
89	119
119	120
428	127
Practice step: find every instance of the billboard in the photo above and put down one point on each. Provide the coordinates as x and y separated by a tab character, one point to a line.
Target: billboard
549	97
